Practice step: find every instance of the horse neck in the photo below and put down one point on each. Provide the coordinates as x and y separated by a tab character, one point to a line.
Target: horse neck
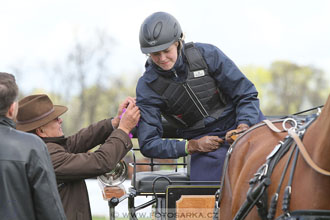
318	138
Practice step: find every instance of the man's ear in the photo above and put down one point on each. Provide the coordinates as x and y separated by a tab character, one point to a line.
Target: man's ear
12	111
40	132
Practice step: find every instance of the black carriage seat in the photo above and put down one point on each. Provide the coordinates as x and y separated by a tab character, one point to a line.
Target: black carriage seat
150	182
155	183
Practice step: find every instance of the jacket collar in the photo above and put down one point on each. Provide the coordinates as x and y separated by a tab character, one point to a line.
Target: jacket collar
57	140
152	70
7	122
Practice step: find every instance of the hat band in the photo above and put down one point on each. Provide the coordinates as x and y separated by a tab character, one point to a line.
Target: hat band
35	119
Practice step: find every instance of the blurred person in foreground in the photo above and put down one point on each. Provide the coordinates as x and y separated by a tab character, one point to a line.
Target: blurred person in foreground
28	188
72	161
199	90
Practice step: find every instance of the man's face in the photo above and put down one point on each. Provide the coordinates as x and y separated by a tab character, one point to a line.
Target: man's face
53	128
166	59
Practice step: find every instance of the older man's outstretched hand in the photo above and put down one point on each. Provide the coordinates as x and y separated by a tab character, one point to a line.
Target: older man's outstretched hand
130	117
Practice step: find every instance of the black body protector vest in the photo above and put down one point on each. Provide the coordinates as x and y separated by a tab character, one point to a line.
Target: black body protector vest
189	102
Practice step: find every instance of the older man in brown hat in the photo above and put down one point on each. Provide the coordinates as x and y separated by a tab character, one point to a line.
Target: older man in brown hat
71	160
28	187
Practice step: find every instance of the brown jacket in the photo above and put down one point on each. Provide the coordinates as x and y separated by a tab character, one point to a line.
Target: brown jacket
72	163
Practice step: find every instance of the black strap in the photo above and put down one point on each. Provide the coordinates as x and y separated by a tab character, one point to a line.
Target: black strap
274	200
160	85
216	205
306	215
254	194
260	182
194	57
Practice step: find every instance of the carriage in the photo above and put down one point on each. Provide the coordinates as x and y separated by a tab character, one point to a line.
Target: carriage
279	160
169	191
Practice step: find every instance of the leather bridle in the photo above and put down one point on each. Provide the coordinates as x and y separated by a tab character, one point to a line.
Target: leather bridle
257	193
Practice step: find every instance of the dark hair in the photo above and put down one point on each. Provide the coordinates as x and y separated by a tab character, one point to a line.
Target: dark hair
8	92
34	131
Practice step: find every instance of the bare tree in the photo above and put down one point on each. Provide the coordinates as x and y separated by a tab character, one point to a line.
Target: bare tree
85	66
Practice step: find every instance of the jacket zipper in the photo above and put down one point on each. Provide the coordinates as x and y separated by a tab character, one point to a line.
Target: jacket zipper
195	100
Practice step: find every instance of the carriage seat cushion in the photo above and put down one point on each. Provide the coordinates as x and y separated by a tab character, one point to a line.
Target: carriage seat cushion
144	180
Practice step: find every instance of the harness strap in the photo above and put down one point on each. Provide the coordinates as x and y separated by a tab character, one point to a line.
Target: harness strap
306	214
194	57
216	205
278	151
274	200
287	191
225	166
272	126
275	129
305	154
253	197
263	173
262	177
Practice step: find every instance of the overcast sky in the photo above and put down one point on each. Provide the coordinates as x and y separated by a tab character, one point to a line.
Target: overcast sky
254	32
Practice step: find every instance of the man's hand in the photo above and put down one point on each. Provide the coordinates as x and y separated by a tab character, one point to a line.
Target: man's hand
232	135
130	117
204	144
115	121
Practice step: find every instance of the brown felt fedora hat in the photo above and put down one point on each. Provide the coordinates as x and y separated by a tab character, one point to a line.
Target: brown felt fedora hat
35	111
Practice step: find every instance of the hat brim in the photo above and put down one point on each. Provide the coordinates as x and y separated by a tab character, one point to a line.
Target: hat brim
58	111
148	50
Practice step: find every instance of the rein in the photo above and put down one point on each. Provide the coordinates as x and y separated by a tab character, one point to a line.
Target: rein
305	154
295	136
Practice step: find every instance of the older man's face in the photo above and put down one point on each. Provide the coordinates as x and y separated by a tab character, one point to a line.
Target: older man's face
53	128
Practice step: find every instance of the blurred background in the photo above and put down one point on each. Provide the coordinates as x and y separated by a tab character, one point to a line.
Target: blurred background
85	54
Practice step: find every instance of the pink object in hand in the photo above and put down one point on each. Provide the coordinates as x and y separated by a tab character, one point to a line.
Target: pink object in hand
130	134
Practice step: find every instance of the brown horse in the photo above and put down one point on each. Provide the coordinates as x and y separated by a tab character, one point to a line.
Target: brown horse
310	190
